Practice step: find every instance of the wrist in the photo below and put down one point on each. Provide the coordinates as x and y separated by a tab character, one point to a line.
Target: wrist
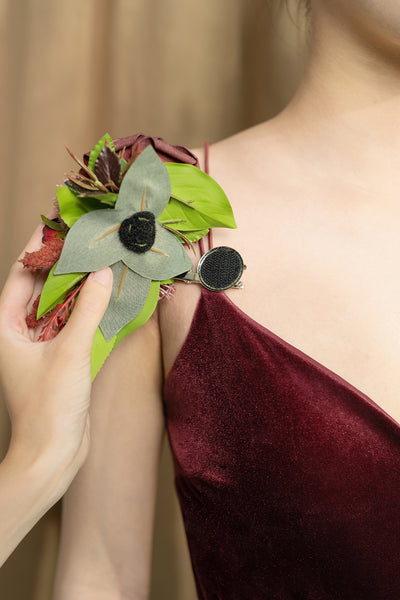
28	490
46	474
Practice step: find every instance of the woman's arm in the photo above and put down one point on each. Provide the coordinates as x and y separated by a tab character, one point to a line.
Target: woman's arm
108	511
28	488
47	392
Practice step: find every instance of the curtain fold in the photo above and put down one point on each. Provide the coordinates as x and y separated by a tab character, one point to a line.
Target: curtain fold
185	71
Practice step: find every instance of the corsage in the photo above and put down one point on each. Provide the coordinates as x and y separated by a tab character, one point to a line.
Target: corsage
133	205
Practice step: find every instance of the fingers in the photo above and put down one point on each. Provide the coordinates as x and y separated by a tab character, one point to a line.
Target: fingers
19	286
53	212
20	283
89	309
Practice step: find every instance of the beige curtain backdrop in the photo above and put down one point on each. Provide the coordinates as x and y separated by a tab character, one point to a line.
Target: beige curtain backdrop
70	71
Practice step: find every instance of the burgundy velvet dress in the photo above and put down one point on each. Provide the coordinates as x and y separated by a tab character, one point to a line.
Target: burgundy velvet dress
288	476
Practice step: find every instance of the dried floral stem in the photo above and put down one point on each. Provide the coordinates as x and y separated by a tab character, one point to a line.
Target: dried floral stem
167	291
180	234
132	159
186	202
81	164
113	185
174	221
81	182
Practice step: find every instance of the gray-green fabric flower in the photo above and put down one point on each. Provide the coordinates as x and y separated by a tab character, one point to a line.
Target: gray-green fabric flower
130	240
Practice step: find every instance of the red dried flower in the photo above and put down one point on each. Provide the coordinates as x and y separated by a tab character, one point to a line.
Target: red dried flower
49	253
31	319
44	258
53	321
51	234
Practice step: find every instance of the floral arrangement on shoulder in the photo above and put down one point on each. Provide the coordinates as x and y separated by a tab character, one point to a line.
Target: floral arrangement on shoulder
133	205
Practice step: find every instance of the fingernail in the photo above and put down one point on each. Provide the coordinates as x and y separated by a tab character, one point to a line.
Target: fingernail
104	276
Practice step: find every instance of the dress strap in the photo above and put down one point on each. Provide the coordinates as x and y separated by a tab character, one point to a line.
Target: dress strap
206	158
207	171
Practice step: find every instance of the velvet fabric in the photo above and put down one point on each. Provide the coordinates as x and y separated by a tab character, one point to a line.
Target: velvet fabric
287	475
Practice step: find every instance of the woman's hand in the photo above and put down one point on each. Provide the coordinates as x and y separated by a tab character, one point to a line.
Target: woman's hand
47	384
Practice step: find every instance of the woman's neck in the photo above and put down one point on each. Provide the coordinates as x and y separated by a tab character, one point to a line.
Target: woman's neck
346	111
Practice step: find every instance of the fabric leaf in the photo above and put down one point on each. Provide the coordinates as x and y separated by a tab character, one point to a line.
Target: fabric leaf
155	265
127	299
144	315
149	172
81	251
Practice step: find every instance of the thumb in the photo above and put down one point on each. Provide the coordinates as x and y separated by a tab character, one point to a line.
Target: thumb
90	307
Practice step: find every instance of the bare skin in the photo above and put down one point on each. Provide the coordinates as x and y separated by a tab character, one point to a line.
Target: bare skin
315	192
315	195
47	392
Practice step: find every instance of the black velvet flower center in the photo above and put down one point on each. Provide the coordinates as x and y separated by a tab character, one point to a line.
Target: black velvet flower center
138	232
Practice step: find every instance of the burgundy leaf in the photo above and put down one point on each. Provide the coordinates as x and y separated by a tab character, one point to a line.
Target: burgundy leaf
108	167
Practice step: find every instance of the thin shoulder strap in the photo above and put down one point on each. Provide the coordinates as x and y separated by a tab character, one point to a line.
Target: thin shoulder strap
206	170
207	158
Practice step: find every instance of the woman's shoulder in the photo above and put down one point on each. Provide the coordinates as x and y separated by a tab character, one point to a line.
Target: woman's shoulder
243	147
245	165
253	162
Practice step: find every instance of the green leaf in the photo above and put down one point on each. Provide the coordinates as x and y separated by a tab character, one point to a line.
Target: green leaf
100	350
52	224
109	199
144	315
205	195
191	218
106	139
124	164
193	236
55	289
70	206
